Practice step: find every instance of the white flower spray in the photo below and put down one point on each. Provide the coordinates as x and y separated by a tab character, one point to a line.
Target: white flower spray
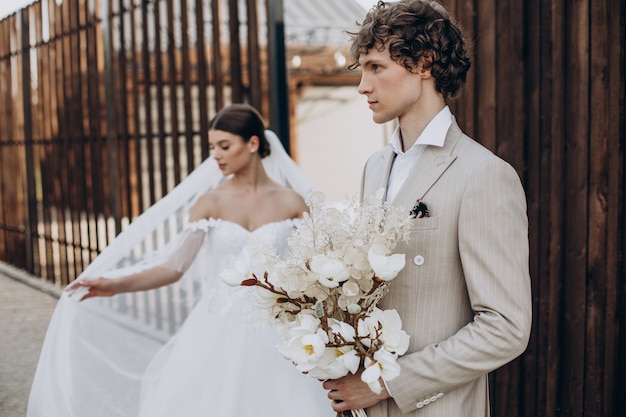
324	295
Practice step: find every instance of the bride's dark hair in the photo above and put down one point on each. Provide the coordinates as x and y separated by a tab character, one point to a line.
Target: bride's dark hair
242	120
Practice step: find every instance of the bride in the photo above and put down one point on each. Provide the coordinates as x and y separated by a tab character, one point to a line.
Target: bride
149	329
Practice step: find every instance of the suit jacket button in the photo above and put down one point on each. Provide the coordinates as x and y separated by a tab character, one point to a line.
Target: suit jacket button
418	260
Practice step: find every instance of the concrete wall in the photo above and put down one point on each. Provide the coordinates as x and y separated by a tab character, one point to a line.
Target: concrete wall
336	135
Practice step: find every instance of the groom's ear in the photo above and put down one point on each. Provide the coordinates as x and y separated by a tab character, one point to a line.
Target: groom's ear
425	63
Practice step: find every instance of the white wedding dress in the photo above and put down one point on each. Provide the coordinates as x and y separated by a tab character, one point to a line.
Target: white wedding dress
196	348
105	357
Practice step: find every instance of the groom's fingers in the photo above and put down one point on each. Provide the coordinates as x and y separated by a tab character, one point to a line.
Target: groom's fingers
331	384
333	394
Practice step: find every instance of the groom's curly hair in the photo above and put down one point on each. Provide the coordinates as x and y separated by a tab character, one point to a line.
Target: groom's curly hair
416	32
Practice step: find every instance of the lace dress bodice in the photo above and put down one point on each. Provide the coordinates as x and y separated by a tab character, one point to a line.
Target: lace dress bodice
224	240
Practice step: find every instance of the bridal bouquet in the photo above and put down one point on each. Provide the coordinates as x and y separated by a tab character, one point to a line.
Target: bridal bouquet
323	296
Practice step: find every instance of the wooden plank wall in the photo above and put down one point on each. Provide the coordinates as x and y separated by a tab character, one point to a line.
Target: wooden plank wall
104	105
12	217
546	92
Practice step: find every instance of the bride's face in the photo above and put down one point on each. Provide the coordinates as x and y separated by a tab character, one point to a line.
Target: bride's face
230	151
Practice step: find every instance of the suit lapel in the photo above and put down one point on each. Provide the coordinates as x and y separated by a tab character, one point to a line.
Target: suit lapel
428	169
378	175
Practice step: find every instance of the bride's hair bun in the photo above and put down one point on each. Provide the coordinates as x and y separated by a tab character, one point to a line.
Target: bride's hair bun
242	120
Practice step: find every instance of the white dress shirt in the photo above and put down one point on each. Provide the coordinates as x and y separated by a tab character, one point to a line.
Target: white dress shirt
434	134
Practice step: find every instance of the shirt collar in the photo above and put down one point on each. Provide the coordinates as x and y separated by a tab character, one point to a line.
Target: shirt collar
434	133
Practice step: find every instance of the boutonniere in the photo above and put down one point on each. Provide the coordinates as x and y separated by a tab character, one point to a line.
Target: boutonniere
419	210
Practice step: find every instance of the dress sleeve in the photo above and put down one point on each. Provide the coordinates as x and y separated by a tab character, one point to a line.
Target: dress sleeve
188	246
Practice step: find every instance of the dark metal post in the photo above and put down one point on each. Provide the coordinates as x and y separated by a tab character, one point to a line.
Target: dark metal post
279	94
111	115
31	216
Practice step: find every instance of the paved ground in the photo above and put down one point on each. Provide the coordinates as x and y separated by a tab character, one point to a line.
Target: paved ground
26	304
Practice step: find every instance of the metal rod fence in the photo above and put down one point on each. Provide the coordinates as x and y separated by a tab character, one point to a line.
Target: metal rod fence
104	108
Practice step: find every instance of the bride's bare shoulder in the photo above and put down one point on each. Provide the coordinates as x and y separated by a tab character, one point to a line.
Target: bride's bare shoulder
205	207
289	198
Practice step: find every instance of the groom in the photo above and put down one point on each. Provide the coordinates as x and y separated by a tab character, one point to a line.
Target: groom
464	296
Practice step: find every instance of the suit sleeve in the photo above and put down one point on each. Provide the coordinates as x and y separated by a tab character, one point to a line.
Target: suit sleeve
493	247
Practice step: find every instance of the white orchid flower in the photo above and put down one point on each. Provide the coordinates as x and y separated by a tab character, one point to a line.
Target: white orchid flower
331	272
304	324
342	328
288	277
304	352
265	299
239	271
306	343
336	362
371	375
383	366
389	326
385	267
367	329
394	338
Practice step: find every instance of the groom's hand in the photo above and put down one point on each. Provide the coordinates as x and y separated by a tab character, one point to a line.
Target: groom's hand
350	393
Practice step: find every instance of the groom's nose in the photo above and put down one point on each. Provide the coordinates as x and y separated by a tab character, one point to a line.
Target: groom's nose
364	85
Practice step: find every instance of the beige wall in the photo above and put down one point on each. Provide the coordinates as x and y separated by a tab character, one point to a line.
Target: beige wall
336	135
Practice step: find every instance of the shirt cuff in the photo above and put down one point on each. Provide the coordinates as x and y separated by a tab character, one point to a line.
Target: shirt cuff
387	387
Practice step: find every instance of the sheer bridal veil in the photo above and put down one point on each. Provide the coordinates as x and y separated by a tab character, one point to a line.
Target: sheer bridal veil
96	351
154	228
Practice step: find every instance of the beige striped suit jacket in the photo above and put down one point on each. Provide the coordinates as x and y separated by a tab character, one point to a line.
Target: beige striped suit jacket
464	295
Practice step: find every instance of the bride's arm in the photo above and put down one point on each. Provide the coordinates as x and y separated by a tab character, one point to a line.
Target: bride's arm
164	273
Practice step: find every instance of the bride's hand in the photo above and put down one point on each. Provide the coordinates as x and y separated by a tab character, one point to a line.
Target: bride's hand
101	287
